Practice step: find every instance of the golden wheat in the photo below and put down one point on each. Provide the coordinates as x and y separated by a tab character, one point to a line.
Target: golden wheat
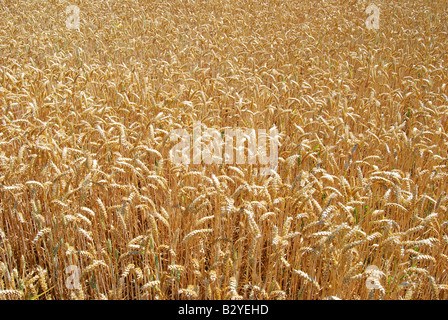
86	122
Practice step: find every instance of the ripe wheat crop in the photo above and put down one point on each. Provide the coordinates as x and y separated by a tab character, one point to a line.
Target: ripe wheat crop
88	192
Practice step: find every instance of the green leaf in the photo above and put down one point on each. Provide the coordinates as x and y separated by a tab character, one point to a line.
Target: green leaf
40	295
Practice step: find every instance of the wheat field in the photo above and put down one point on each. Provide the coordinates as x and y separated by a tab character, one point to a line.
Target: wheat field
87	184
